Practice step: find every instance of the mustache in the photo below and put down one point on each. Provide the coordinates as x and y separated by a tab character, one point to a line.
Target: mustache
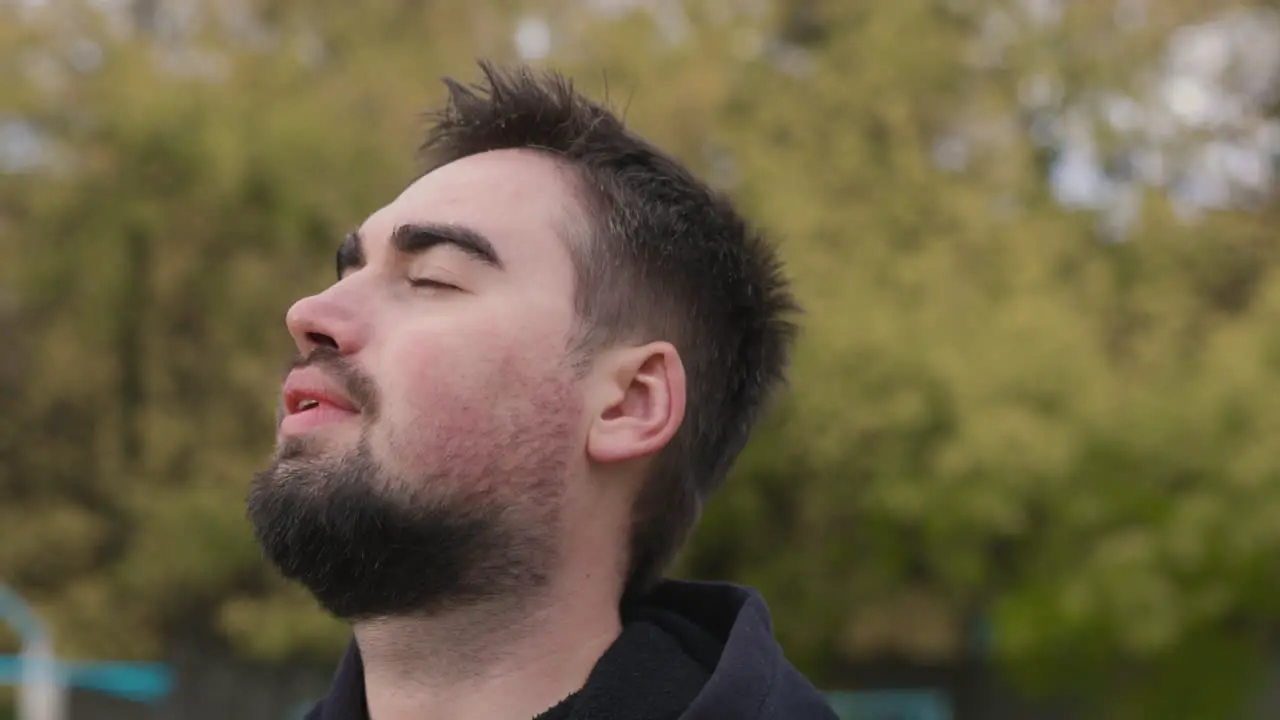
357	386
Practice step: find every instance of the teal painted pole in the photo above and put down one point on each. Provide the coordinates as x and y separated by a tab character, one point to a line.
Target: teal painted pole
40	695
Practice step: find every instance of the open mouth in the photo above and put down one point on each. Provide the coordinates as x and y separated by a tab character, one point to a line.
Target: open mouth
312	399
304	403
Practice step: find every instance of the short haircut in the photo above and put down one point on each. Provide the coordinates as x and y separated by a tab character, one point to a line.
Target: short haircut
665	257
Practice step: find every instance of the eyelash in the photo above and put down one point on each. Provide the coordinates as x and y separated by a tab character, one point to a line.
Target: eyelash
432	284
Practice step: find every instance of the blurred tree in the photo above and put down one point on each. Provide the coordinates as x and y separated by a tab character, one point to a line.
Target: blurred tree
994	414
182	180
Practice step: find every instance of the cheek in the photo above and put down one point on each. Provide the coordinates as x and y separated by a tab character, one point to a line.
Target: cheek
459	401
438	383
477	358
437	422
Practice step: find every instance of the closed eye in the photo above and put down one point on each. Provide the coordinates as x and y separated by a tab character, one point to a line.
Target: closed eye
430	283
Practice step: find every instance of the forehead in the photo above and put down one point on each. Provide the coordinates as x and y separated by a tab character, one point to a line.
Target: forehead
521	200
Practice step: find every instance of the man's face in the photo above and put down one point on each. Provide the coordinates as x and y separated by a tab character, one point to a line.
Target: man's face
433	417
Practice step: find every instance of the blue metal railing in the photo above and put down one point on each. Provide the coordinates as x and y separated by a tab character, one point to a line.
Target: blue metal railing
925	704
15	613
139	682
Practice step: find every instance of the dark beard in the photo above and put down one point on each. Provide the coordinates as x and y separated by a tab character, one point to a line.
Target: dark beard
366	547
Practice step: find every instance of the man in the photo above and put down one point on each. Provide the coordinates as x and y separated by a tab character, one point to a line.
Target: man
535	365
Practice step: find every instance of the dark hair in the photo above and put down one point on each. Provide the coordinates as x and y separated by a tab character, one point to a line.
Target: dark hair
665	258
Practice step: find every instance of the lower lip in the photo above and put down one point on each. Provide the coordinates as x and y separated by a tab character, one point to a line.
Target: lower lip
313	418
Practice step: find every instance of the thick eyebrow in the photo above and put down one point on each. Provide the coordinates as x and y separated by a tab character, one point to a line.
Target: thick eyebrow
417	238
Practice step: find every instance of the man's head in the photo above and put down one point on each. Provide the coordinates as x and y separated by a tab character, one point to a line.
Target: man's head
555	326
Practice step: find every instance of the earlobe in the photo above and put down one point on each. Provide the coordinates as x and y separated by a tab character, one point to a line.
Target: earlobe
645	406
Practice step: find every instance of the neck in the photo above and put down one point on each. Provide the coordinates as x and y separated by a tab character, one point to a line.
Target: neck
507	660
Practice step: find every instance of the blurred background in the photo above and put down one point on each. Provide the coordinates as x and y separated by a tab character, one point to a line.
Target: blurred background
1029	465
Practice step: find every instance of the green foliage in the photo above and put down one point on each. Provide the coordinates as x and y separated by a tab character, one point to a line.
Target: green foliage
992	413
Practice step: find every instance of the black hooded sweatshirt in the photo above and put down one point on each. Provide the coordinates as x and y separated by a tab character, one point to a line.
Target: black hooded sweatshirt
688	651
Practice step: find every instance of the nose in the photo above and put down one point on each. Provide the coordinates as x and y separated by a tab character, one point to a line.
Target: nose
330	319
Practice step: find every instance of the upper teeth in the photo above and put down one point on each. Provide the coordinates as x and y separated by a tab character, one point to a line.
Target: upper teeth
307	404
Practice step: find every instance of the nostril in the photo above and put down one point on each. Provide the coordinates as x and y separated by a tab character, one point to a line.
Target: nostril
322	340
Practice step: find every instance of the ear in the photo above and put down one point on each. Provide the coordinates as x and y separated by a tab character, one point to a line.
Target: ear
642	401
